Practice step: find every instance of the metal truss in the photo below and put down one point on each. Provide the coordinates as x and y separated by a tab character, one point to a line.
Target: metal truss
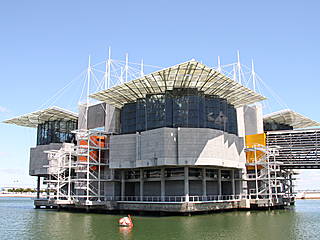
60	180
92	160
77	173
271	182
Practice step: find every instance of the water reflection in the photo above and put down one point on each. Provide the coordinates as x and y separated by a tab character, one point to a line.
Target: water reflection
24	222
125	232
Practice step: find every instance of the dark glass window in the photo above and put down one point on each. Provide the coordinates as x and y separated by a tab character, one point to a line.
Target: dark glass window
174	172
57	131
274	126
195	172
225	174
212	173
185	107
132	174
152	173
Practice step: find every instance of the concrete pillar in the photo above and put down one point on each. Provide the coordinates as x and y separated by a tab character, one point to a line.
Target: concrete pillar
38	187
219	182
186	183
112	174
240	122
241	182
123	186
163	184
259	117
141	184
292	199
47	189
204	182
105	185
291	184
233	182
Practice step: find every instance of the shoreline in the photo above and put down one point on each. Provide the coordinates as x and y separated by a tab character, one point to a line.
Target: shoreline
19	195
308	198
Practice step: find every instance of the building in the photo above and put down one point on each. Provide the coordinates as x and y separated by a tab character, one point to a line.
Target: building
182	139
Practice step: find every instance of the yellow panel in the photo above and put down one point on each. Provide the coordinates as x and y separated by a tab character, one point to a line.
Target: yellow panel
250	156
255	140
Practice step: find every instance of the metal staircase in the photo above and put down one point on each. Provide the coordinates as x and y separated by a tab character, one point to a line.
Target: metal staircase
268	180
61	162
76	173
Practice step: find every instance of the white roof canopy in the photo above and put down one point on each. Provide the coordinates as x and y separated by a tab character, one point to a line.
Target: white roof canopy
35	118
291	118
191	74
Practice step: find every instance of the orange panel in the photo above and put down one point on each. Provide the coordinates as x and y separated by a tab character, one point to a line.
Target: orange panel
252	167
98	141
255	140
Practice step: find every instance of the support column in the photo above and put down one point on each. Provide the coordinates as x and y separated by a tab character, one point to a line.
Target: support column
38	187
256	173
123	186
47	189
112	174
241	181
233	182
141	184
291	184
186	183
219	182
204	182
163	184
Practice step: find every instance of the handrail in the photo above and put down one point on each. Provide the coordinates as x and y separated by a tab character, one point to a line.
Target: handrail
176	199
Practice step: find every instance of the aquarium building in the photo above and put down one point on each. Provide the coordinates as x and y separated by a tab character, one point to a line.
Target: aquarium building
182	139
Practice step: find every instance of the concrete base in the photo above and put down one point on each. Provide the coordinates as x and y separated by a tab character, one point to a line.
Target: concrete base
158	207
266	203
45	204
185	207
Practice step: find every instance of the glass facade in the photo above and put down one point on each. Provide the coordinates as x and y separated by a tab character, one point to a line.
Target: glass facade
183	107
274	126
57	131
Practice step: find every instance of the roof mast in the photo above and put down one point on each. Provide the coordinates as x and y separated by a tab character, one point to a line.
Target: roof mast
126	67
219	65
234	73
88	88
253	76
108	71
141	68
239	67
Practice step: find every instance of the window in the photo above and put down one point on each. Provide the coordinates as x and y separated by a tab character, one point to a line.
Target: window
57	131
185	107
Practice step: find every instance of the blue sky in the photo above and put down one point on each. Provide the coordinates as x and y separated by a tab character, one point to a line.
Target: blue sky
44	44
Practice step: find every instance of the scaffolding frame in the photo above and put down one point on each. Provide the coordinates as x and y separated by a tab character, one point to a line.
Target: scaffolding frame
73	179
90	173
271	181
59	184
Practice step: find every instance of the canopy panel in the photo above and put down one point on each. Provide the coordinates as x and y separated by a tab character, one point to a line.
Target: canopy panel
191	74
291	118
35	118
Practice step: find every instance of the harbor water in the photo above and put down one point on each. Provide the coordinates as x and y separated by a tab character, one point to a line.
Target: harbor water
19	220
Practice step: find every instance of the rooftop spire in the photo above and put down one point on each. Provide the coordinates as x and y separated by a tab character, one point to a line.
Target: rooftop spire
253	76
108	71
239	67
141	68
219	65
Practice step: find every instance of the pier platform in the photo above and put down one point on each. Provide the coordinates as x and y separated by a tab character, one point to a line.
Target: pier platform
167	205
